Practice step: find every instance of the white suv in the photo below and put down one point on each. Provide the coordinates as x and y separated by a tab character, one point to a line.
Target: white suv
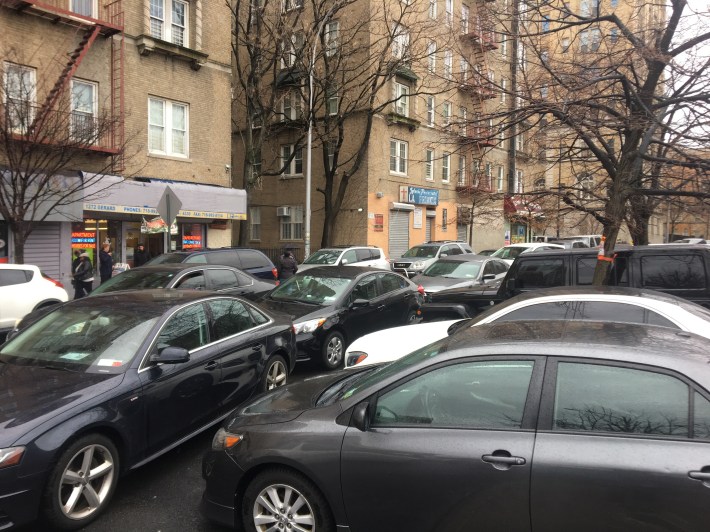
347	255
419	258
24	288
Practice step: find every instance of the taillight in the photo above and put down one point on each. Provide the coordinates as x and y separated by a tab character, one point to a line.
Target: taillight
53	281
420	289
275	272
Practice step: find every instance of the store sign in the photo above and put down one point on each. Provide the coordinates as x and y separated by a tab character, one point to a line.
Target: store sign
83	239
191	241
379	223
418	195
418	217
126	209
156	225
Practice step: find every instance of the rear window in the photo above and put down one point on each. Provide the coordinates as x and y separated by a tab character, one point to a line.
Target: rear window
253	259
375	254
540	274
680	272
11	277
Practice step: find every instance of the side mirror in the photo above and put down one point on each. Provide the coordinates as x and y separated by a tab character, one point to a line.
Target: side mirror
489	277
510	285
171	355
343	262
444	255
361	417
360	303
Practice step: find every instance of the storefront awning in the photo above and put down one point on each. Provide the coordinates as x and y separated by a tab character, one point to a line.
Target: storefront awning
58	199
521	206
112	194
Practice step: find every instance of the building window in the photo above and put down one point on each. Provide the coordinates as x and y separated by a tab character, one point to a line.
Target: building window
464	69
464	19
20	96
432	9
86	8
332	38
586	184
614	35
168	21
84	109
503	90
519	142
503	46
501	178
446	113
291	160
444	219
290	5
564	42
292	106
332	101
400	42
445	167
430	110
254	169
450	12
429	165
462	170
401	99
292	50
254	223
398	156
614	3
463	119
330	148
448	63
292	225
168	127
589	40
431	56
539	184
518	185
545	24
488	176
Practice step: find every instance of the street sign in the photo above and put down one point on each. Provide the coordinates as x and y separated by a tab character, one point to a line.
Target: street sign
168	206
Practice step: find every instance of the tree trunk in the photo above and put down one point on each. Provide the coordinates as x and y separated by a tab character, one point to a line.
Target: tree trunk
20	231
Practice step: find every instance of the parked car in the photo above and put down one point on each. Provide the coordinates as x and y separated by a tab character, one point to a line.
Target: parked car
224	279
690	241
592	241
551	425
332	306
679	270
347	255
487	252
23	289
570	243
602	303
251	261
461	270
102	385
418	258
510	252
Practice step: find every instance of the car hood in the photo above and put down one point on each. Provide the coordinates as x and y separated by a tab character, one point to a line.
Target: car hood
294	309
435	284
391	344
30	396
481	291
283	404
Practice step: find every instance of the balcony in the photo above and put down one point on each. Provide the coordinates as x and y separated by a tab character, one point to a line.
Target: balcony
481	32
474	183
482	88
108	17
483	136
394	118
29	123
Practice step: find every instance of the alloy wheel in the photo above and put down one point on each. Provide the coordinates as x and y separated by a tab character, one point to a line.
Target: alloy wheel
276	376
282	507
334	351
86	482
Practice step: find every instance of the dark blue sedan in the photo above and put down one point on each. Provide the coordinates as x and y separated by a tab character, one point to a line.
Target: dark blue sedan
105	384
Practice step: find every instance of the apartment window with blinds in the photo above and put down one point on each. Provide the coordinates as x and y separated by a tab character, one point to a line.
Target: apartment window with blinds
430	110
84	110
168	127
429	165
431	56
398	156
254	223
501	178
445	167
401	99
291	226
518	185
168	21
86	8
292	165
20	96
462	170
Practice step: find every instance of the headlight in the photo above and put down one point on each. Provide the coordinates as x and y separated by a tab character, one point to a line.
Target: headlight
11	456
354	358
308	326
419	265
224	440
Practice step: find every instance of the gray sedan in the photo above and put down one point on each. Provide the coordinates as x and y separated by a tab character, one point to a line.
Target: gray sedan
461	271
522	426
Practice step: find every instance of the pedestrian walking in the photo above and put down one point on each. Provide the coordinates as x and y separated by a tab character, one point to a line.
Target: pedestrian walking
105	263
83	277
140	255
287	265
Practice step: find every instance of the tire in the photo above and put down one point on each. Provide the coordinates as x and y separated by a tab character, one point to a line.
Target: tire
282	488
412	318
333	350
68	480
275	374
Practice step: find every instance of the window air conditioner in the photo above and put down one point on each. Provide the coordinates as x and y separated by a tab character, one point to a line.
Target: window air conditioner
283	211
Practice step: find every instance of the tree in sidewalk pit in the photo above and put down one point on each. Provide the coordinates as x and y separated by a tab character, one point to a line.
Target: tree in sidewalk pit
42	146
620	97
361	58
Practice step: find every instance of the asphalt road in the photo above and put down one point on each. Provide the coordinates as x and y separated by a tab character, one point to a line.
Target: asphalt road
164	495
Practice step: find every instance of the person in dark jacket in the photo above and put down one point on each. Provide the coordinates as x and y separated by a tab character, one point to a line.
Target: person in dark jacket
287	266
140	255
105	263
83	277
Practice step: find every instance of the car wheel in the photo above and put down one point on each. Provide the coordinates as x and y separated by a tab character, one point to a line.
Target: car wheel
333	350
81	483
279	499
412	317
275	374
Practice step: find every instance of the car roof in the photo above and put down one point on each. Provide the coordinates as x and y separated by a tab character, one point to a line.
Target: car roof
344	272
18	267
468	257
180	266
159	298
624	249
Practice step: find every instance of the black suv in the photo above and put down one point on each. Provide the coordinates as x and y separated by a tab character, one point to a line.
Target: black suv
248	260
679	270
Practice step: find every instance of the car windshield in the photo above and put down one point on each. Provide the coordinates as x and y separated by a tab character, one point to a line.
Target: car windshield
345	389
508	253
167	258
454	269
135	279
324	256
316	289
87	339
426	252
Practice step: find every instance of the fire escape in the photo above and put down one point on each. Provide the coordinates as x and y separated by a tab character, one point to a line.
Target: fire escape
479	34
108	24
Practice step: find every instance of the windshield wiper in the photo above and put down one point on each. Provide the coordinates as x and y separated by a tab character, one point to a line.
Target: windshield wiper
59	368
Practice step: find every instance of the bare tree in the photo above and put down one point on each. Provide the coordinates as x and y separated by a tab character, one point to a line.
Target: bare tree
624	92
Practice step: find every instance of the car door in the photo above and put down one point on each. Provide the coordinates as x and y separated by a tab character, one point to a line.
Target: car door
398	297
240	348
361	320
17	299
181	398
194	280
447	449
349	257
225	280
620	447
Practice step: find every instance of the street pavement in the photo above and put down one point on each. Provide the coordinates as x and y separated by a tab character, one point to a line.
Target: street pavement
164	495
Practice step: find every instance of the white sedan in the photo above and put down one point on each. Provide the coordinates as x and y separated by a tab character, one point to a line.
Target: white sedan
613	304
510	252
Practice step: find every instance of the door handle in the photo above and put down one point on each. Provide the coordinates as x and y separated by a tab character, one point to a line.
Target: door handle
211	365
699	475
506	460
256	347
381	307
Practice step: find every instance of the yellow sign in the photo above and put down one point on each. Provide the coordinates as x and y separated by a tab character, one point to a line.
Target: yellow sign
126	209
